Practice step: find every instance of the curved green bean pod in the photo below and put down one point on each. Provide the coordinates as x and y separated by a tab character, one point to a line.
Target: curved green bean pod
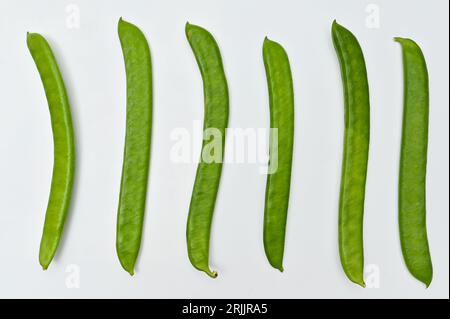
413	164
281	101
64	147
356	151
207	179
133	188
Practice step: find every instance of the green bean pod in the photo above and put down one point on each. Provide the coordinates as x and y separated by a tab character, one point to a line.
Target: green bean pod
281	102
207	179
133	188
356	151
413	163
64	147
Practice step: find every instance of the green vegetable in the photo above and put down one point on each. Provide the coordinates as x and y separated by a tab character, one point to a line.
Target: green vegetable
281	100
64	146
413	164
207	180
133	189
356	151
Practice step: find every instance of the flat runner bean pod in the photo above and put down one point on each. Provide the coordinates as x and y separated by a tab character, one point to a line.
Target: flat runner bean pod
133	188
207	179
64	147
281	101
413	163
356	151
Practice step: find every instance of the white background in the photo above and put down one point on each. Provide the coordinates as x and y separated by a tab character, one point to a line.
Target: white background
91	61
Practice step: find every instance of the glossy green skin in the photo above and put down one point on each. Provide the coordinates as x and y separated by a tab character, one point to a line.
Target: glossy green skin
64	147
413	164
207	179
133	188
356	151
281	101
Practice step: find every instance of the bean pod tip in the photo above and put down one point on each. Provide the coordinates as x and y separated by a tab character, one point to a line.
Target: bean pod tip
211	273
406	42
335	24
188	29
401	40
128	269
30	37
358	281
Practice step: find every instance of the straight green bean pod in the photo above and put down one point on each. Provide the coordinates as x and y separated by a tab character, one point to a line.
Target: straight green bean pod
356	152
133	188
413	163
206	185
281	102
64	147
